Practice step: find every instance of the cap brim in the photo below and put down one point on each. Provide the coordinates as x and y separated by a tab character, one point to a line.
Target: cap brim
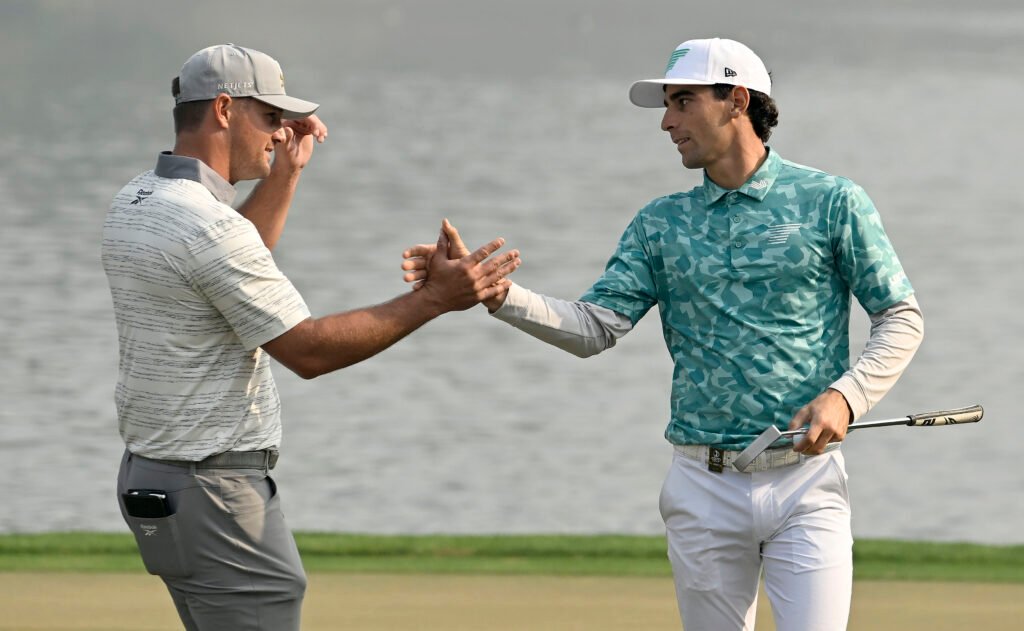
292	107
651	92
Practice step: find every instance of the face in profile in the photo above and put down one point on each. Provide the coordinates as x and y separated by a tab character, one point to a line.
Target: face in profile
254	131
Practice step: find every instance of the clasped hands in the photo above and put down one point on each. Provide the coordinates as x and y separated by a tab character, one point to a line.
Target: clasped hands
484	278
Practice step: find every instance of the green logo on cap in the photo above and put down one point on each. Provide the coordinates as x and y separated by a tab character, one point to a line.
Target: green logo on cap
676	56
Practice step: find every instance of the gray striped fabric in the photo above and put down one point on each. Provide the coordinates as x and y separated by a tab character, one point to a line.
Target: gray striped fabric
195	294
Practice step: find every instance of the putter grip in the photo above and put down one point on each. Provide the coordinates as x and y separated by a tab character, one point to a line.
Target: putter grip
970	414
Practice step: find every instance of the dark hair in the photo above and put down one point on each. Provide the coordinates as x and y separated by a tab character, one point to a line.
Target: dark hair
762	110
188	116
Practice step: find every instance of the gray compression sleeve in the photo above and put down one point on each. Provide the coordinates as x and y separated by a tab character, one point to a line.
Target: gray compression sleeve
581	328
895	336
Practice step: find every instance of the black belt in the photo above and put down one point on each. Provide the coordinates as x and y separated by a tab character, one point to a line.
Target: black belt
263	459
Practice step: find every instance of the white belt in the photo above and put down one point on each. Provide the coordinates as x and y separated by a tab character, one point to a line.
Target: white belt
718	459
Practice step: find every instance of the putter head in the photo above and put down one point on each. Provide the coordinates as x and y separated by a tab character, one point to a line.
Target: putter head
762	442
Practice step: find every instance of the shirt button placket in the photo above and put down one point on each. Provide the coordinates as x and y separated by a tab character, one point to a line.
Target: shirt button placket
736	220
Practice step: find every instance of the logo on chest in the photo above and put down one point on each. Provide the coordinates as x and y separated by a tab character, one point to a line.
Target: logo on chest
779	233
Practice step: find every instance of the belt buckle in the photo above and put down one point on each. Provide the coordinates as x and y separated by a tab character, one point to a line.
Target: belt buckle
716	459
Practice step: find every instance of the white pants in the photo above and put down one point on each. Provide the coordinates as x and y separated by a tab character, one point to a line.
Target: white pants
722	527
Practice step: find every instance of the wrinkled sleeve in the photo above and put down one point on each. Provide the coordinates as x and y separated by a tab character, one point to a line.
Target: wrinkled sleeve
896	334
868	264
627	285
864	255
581	328
235	271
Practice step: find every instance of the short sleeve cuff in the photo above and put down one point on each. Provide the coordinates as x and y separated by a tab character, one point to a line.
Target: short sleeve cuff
279	328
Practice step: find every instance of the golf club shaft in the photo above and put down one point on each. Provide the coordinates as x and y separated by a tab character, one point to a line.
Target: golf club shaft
970	414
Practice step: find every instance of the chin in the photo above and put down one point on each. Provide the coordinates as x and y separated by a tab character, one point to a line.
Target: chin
693	162
263	168
255	173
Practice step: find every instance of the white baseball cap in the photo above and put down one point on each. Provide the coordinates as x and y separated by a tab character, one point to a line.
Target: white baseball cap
705	62
236	71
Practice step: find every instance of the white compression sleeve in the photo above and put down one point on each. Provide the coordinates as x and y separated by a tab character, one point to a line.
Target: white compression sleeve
581	328
895	336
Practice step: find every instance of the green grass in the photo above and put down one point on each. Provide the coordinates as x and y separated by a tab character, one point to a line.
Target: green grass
599	555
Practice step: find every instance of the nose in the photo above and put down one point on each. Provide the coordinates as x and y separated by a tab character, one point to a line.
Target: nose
667	121
279	135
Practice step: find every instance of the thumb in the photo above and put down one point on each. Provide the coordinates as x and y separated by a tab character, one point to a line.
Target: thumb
799	419
442	239
285	134
457	249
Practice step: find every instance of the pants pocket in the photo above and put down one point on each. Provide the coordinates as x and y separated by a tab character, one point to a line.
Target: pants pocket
245	494
686	508
160	545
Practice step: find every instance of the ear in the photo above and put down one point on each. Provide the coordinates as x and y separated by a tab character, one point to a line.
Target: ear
740	101
222	111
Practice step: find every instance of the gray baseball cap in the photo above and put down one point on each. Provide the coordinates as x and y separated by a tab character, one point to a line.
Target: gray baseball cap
236	71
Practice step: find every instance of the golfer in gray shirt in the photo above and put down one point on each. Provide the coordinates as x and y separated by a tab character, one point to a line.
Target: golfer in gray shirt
201	307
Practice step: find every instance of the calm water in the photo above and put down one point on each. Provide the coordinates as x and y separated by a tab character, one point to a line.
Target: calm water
517	126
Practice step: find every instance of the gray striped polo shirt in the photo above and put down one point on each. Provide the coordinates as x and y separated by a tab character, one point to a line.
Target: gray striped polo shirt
196	293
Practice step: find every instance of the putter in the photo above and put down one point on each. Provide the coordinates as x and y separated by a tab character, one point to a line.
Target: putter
971	414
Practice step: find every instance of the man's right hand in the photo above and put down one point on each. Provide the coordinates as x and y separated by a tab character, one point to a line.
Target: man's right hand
419	258
317	346
463	278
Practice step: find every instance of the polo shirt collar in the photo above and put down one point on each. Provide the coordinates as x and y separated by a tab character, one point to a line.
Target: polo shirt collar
756	187
185	168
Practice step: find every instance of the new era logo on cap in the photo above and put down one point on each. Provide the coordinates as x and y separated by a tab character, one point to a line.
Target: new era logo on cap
705	62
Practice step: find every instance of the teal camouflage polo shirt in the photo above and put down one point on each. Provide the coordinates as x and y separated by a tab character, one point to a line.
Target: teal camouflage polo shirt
753	287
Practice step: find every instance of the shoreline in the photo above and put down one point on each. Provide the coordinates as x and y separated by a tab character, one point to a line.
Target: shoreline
552	555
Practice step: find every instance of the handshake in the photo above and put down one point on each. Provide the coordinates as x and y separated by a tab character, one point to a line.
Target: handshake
458	278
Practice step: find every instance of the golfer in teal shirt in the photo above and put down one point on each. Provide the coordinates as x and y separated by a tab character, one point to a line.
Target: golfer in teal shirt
753	274
753	286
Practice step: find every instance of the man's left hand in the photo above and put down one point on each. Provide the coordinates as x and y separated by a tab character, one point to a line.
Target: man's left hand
826	417
309	126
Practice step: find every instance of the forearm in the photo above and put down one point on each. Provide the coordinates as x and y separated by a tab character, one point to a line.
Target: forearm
896	334
267	206
322	345
581	328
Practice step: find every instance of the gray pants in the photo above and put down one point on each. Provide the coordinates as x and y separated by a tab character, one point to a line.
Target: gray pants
225	553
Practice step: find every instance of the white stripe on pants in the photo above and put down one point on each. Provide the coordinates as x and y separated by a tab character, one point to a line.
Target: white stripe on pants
720	526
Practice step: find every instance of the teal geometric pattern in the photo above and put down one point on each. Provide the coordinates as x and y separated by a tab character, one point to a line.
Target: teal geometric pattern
753	287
